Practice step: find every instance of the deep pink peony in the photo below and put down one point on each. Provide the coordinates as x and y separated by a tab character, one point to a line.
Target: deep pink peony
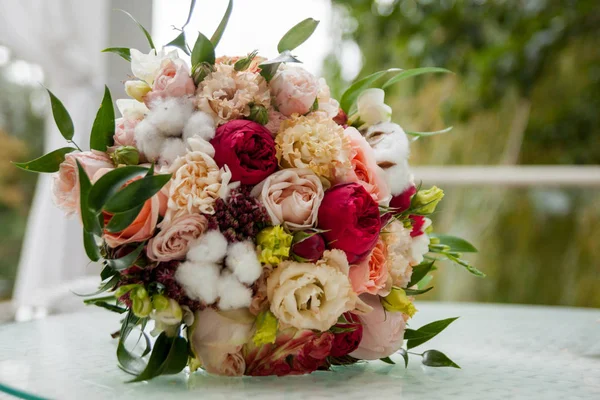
346	341
350	217
248	150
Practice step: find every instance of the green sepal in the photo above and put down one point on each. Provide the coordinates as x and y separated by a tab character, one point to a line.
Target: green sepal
47	163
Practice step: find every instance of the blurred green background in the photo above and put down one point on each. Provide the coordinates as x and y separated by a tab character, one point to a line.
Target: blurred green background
526	90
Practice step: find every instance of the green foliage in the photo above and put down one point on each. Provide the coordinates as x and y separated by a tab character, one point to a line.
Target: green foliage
180	43
435	358
419	272
120	264
216	37
136	193
47	163
146	33
123	52
297	35
103	129
426	332
63	120
269	67
169	356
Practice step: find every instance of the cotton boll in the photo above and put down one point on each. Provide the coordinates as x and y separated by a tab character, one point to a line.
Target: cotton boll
398	177
242	261
210	247
170	115
389	142
173	148
232	294
148	139
199	280
200	124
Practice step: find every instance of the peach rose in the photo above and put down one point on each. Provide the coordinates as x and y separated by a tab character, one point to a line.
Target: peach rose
383	331
173	80
365	169
371	275
125	131
294	90
142	228
173	240
291	197
217	337
65	183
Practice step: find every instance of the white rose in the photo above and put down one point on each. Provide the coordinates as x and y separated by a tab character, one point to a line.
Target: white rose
294	90
146	66
371	109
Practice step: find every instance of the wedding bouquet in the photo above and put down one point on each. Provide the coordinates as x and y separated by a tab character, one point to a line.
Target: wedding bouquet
261	226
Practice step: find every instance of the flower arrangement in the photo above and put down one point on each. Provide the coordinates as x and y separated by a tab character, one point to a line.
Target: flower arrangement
259	225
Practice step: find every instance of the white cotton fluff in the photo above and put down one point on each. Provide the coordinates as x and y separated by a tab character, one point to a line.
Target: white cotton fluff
399	177
389	142
200	125
173	148
149	140
199	280
170	115
232	293
420	244
210	247
242	261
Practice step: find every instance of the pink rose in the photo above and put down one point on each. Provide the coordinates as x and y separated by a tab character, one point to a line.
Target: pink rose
173	240
365	169
142	228
275	120
65	183
383	331
372	275
292	197
294	90
125	131
173	80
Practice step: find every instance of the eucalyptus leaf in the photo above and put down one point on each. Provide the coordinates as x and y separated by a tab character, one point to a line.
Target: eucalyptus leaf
136	193
203	51
120	221
146	33
103	129
387	360
351	94
409	73
124	52
120	264
216	37
110	183
419	272
47	163
426	332
169	356
180	43
416	292
435	358
455	243
297	35
61	116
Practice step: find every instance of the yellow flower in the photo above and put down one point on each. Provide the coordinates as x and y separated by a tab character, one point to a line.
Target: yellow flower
398	301
266	328
274	244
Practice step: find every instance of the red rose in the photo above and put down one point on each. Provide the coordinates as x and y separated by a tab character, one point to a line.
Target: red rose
401	202
350	218
247	148
349	337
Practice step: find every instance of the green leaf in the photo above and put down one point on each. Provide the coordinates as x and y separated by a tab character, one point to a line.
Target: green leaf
455	243
110	183
91	248
88	217
124	52
146	33
404	355
180	43
419	272
216	37
409	73
434	358
108	306
351	94
46	163
297	35
464	263
424	134
203	51
268	69
426	332
128	361
169	356
189	17
387	360
416	292
120	264
105	285
61	117
103	129
120	221
136	193
107	272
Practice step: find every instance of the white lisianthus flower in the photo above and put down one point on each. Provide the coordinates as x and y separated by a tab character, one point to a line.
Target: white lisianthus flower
371	108
146	66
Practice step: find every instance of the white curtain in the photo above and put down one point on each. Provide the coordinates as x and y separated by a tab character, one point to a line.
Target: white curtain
64	37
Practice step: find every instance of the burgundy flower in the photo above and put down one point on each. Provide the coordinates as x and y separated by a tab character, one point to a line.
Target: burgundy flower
401	202
247	148
417	225
348	338
308	245
240	217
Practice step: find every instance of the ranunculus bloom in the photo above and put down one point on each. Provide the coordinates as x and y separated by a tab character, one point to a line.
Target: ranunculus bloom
294	352
247	148
216	339
371	275
365	169
350	218
142	228
383	331
294	90
65	183
173	80
173	240
291	197
347	341
311	296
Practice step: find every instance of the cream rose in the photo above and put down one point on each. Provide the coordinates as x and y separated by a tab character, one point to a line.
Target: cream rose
173	240
65	183
312	296
291	197
294	90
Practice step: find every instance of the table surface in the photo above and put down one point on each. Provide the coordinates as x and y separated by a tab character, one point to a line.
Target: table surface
518	352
